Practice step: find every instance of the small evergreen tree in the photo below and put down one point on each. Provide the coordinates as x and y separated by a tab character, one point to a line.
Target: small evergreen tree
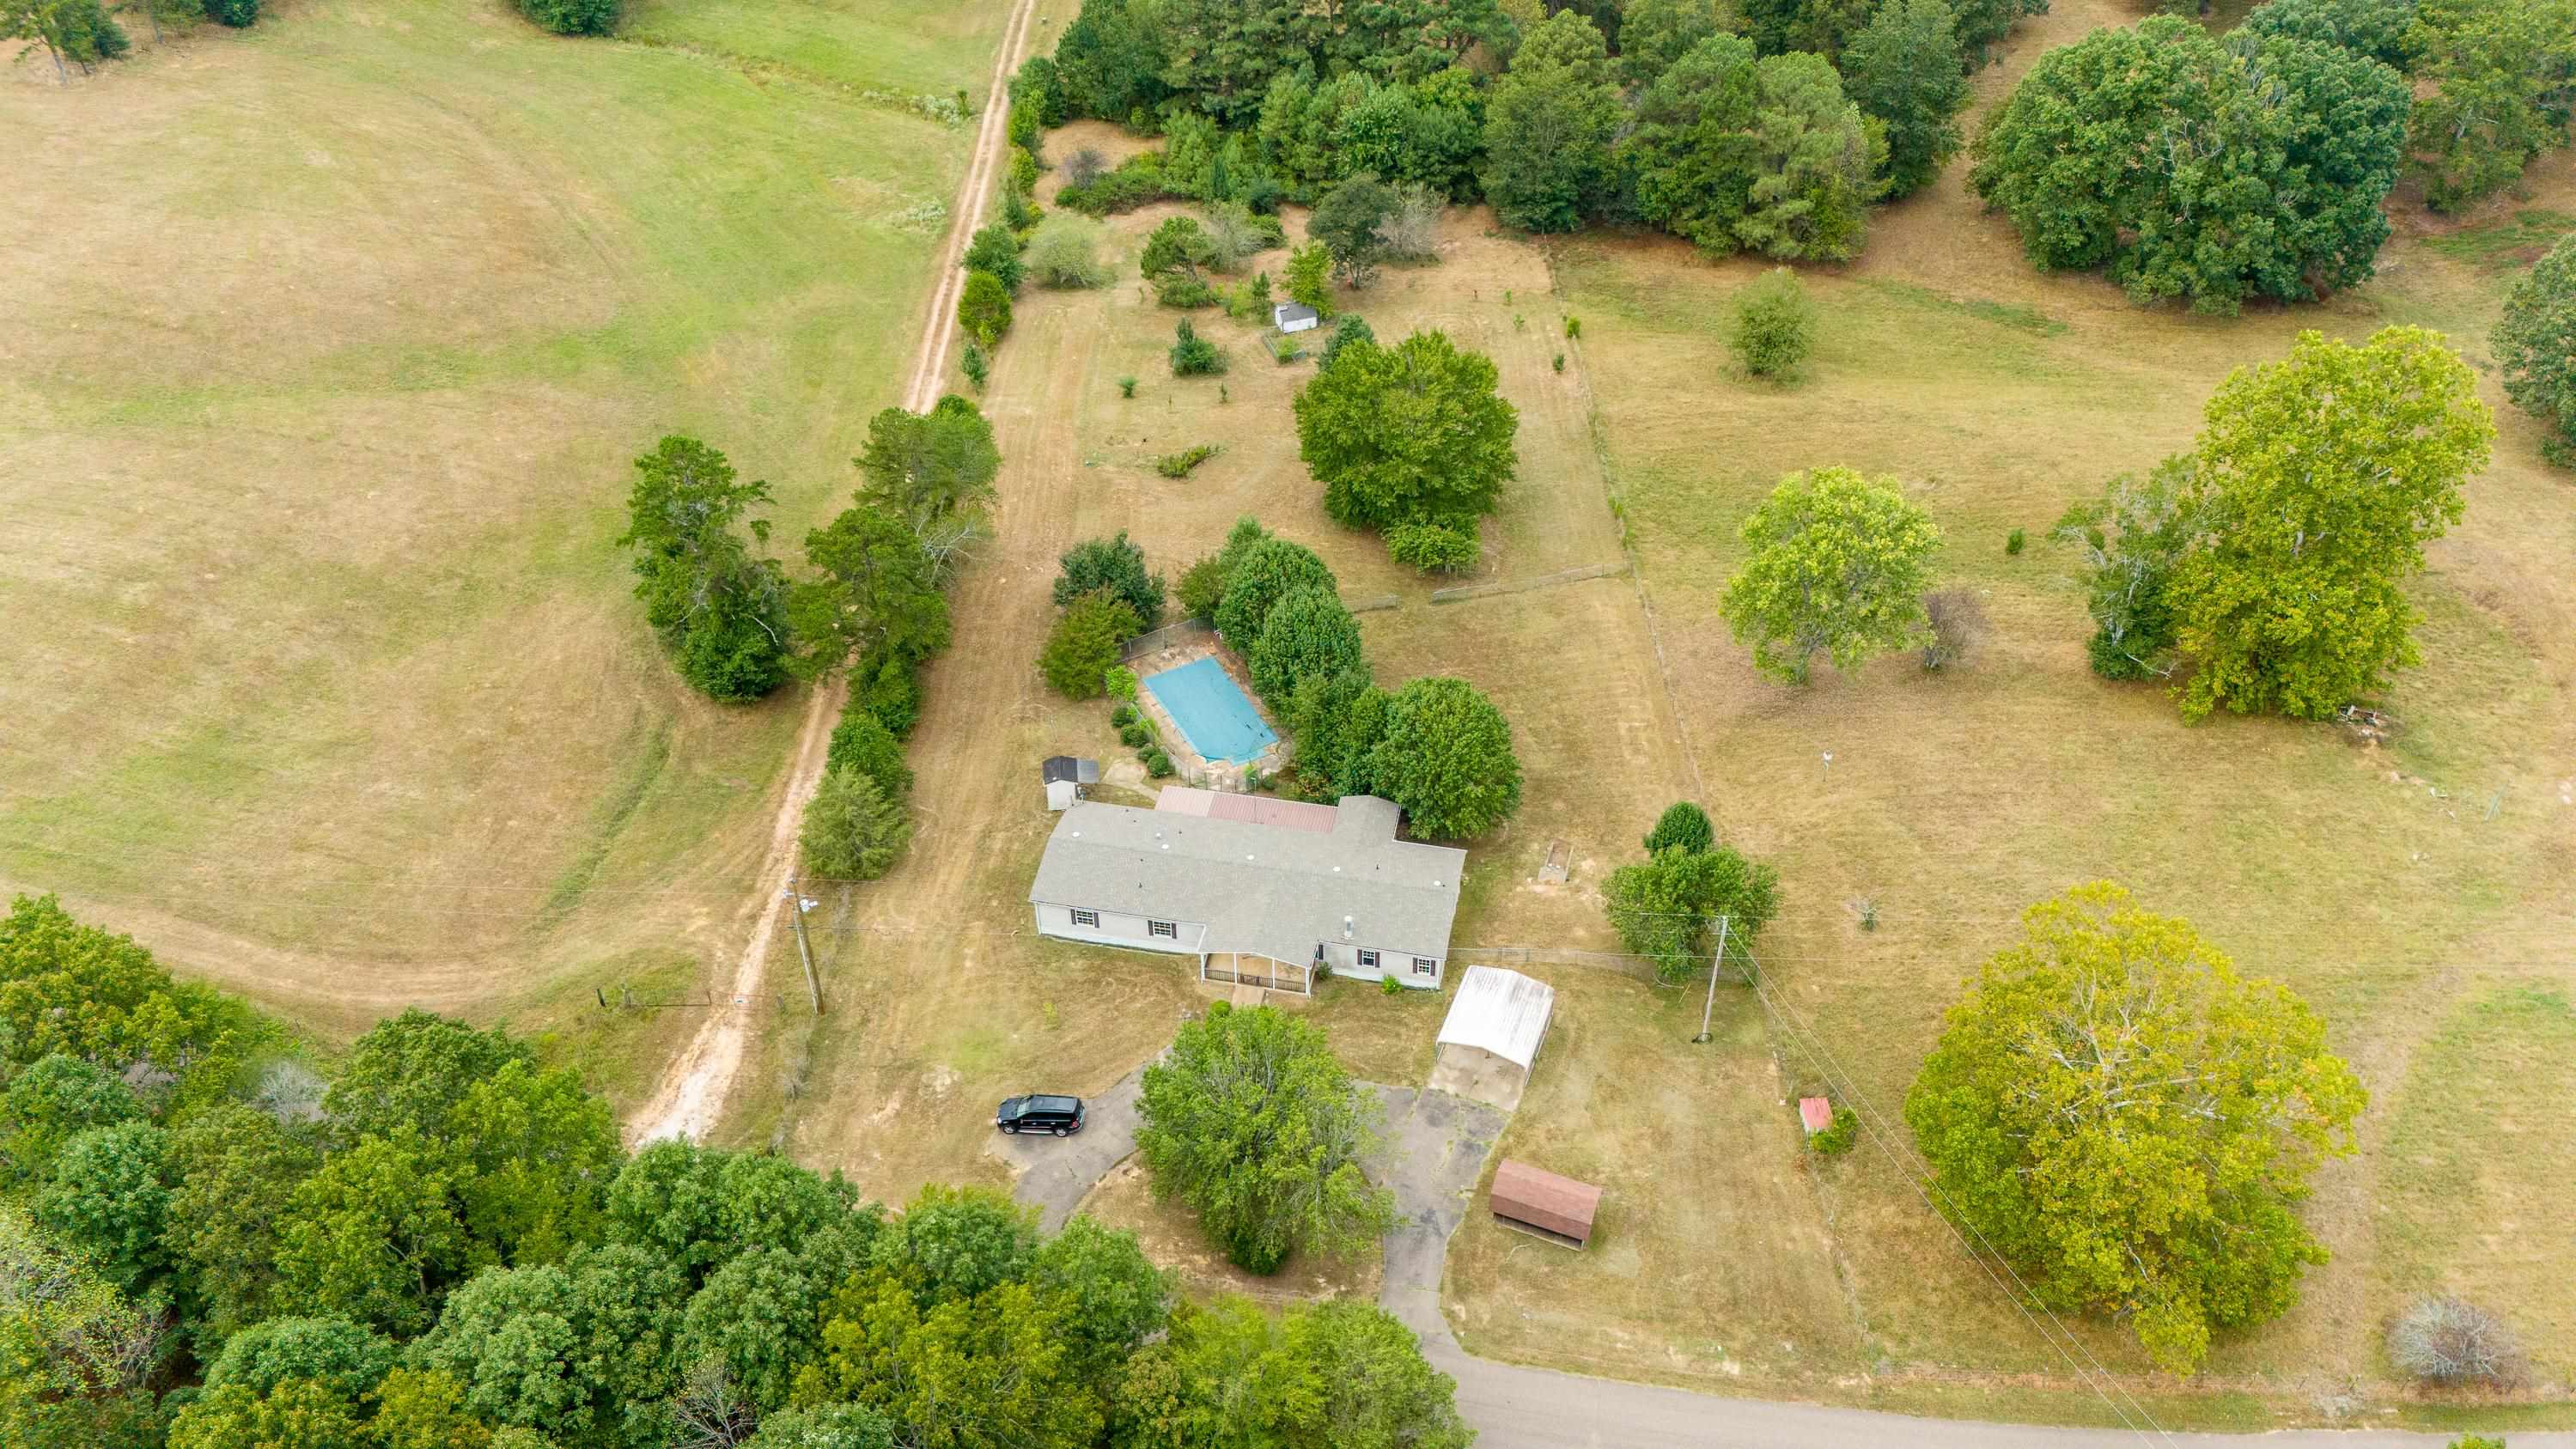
853	830
1193	355
984	308
1775	324
996	251
1085	643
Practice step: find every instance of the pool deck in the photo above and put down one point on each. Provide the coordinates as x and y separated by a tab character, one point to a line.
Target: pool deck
1188	764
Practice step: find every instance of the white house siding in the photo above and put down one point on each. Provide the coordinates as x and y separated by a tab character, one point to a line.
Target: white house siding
1119	929
1344	958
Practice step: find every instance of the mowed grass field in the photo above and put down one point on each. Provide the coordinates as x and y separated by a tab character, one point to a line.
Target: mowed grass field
329	344
2416	894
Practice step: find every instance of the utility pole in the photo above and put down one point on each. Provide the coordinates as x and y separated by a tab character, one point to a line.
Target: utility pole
1716	963
795	895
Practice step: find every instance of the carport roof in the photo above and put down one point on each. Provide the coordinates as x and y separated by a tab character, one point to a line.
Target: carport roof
1499	1011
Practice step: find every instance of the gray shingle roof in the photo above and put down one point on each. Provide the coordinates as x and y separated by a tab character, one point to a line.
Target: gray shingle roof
1260	888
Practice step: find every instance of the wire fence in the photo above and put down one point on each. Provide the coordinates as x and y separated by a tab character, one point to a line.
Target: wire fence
1514	586
1172	635
1640	967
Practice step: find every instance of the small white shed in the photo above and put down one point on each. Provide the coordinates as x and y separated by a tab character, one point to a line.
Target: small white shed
1294	317
1492	1035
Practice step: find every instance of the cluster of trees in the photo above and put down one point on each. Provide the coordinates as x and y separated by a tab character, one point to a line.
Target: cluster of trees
2197	168
446	1246
1108	596
1666	907
2267	564
2535	347
2131	1123
1436	747
1766	127
1413	441
84	32
573	17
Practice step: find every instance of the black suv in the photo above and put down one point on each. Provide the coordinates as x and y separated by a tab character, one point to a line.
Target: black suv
1059	1115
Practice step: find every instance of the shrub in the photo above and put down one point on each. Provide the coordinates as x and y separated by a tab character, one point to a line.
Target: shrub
1838	1138
1133	736
566	17
1682	825
997	251
1178	465
984	308
2013	542
1956	620
1388	986
1123	716
1116	565
1127	386
1573	327
1085	642
1193	355
886	687
861	742
1083	167
2535	345
1183	293
1352	328
1065	252
1558	362
976	364
1023	177
1158	764
235	13
2446	1340
1775	324
853	829
1119	682
1434	547
1137	181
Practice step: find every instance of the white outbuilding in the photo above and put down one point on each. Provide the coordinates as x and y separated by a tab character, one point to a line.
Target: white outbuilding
1294	317
1492	1035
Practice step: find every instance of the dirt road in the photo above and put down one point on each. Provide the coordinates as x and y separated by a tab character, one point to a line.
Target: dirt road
691	1098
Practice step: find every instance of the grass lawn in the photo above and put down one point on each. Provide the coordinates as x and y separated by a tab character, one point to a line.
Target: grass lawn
330	342
1170	1235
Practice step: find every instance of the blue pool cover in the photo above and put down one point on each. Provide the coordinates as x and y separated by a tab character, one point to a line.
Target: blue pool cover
1222	725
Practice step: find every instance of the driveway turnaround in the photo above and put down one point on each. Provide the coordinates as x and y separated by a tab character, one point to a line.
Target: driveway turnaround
1436	1150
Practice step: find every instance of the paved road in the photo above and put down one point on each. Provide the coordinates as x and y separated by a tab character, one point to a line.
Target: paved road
1436	1150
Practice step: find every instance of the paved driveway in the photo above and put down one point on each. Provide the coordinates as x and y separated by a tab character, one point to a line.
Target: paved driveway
1056	1172
1436	1146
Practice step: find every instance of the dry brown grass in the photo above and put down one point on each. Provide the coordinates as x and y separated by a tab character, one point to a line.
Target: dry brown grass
1170	1235
329	344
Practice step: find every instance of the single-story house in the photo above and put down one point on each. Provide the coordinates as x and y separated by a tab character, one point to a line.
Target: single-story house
1295	317
1264	892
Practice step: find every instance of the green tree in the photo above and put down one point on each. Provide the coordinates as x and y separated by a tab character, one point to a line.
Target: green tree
1908	69
958	1243
1337	721
1837	565
109	1198
88	993
1416	433
1816	164
1655	33
853	829
1691	148
1193	355
235	1168
1176	259
2133	538
719	609
1352	328
74	1353
1775	324
348	1358
1308	632
921	466
1260	573
296	1414
1983	24
996	252
1085	642
1347	221
2374	28
992	1372
1446	757
2535	346
1682	824
2116	1111
826	1426
2503	79
573	17
2319	479
876	595
1310	270
411	1072
581	1351
861	742
373	1236
1549	127
2199	170
1116	1298
1820	27
1666	906
984	308
1434	547
79	31
1345	1375
537	1153
51	1102
417	1410
1110	61
1116	565
1253	1123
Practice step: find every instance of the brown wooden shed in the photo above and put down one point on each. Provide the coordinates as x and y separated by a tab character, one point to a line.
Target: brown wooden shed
1557	1208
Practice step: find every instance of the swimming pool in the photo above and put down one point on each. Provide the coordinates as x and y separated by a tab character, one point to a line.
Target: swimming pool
1222	725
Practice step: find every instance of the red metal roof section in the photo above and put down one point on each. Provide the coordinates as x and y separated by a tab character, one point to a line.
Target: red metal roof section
1542	1199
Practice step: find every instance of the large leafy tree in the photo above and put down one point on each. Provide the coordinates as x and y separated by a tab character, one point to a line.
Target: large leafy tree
1908	69
234	1165
95	995
1253	1122
1738	153
349	1357
719	607
581	1350
1085	643
1655	33
1114	564
1344	1375
875	595
995	1371
1819	27
2119	1113
2133	537
1666	906
2196	169
2535	346
1309	633
47	1105
1838	566
1691	150
1337	720
1549	126
1259	573
2503	79
1446	756
1414	433
2375	28
373	1236
926	465
2318	481
1347	220
1117	1299
1110	61
109	1198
